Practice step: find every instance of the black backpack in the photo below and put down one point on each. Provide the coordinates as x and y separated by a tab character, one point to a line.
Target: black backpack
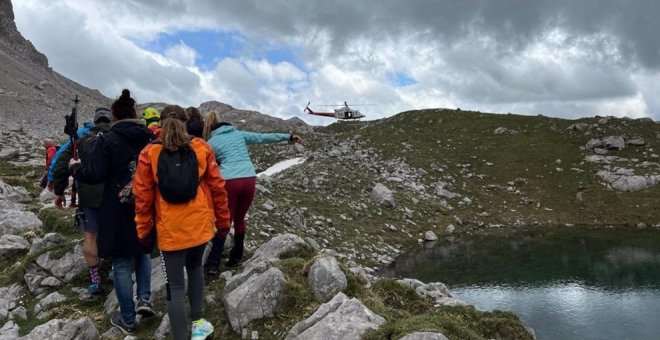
178	177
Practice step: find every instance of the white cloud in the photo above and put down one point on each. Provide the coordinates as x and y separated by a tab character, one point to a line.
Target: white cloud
181	53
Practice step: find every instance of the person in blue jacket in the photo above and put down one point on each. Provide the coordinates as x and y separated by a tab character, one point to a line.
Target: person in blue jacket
60	201
231	151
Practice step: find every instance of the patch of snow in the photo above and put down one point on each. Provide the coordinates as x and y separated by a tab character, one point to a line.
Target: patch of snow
281	166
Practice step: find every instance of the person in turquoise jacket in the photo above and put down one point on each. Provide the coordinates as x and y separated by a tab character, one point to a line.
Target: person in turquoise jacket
59	200
231	151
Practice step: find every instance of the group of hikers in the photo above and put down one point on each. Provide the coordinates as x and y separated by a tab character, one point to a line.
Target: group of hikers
172	178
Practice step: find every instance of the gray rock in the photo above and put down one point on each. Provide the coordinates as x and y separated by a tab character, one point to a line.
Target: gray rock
9	331
594	143
600	151
275	247
50	300
8	153
628	182
424	336
13	194
163	329
430	236
450	228
46	196
637	142
254	299
81	329
9	296
326	278
340	318
10	245
296	218
503	130
382	195
580	127
614	142
48	241
66	267
17	222
19	313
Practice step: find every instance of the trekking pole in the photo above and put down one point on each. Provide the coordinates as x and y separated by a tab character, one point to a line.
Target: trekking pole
71	127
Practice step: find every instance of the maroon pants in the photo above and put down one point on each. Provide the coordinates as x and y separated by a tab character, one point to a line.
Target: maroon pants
240	192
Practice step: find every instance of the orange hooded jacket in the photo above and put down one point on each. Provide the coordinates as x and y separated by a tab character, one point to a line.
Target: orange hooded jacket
186	225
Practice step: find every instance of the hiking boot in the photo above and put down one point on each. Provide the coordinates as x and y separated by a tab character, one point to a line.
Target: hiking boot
201	329
145	308
236	252
95	289
211	272
117	321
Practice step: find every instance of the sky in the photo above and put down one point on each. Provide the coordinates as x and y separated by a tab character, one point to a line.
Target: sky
559	58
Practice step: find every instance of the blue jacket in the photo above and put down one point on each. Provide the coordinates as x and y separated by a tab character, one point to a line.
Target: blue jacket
231	151
51	169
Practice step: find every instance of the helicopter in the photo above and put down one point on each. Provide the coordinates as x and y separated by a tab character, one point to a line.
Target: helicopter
342	113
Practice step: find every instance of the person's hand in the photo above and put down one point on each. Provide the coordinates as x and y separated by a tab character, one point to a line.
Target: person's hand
60	201
296	139
73	162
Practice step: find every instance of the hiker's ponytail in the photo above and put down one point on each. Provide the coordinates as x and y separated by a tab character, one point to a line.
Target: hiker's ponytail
173	133
212	119
124	106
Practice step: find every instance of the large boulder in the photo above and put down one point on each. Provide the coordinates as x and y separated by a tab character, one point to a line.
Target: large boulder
49	271
382	195
13	194
9	330
326	278
614	142
626	181
254	299
275	247
437	291
81	329
15	222
11	245
47	302
340	318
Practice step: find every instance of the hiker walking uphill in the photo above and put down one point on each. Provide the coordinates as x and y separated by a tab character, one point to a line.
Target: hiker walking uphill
231	151
112	161
151	118
87	216
174	183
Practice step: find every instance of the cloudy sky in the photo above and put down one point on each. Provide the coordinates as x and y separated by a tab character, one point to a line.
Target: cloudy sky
561	58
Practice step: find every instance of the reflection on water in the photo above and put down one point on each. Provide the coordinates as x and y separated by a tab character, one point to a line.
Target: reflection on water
566	284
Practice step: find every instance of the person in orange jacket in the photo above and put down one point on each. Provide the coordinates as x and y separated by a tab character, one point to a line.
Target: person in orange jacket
183	226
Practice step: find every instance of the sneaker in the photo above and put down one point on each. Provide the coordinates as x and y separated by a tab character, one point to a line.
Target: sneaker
117	321
145	308
95	289
201	329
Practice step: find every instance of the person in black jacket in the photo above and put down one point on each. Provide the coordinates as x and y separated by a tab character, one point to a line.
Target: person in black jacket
89	195
112	161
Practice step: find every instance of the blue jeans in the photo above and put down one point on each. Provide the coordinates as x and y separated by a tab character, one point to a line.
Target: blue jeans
123	268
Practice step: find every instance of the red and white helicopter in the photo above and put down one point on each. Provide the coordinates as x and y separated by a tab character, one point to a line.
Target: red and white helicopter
342	113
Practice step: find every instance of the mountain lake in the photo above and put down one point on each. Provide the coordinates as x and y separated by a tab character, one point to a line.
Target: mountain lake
567	283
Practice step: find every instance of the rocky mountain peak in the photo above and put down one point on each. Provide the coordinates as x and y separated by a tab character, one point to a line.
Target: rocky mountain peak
12	39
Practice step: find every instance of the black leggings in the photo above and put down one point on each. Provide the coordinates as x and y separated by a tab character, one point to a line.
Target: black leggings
173	263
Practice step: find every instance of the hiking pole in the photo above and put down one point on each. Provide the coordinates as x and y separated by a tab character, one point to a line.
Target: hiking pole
71	127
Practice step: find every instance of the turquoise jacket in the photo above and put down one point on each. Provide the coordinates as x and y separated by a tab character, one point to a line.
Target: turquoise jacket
231	151
51	170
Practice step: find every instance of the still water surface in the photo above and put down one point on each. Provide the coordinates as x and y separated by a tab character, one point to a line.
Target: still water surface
570	283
